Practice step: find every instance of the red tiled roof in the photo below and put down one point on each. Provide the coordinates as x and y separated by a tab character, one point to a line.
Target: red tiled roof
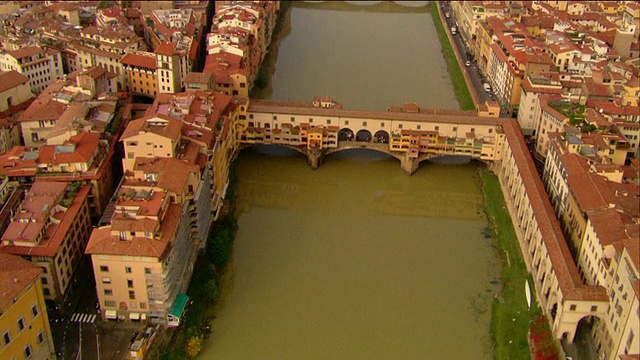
11	79
171	131
140	61
102	242
566	271
166	49
15	274
26	51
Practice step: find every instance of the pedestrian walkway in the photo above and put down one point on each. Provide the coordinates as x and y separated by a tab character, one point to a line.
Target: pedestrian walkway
83	318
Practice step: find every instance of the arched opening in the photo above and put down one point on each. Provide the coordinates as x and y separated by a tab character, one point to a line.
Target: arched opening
345	134
381	136
363	135
582	344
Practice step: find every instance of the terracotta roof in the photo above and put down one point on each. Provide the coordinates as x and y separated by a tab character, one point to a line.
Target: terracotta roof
432	115
79	148
198	77
166	49
102	242
566	271
140	60
56	233
11	79
582	187
47	109
26	51
173	174
15	274
170	130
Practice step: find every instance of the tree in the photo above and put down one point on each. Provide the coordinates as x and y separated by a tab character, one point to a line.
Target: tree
194	346
220	246
211	290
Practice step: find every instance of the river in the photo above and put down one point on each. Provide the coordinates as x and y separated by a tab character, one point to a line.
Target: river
356	260
364	56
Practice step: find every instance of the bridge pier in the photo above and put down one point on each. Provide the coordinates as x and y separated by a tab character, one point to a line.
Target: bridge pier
409	164
314	158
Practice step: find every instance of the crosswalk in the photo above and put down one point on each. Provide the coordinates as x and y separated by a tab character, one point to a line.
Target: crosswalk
83	318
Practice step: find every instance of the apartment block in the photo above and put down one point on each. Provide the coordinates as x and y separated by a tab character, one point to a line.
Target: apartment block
598	212
51	230
143	259
41	66
15	96
209	120
24	324
80	103
84	158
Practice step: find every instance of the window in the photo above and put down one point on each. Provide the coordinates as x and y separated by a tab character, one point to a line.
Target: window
130	283
104	268
418	127
106	280
110	303
147	270
399	126
40	337
21	324
28	351
132	295
127	269
455	128
44	280
572	307
364	123
34	310
594	308
108	292
6	337
437	128
143	305
130	155
346	122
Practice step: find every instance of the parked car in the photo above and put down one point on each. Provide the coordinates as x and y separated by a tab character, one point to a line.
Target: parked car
447	15
468	63
486	87
454	30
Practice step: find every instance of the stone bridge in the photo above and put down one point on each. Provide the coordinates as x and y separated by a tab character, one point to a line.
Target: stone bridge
409	133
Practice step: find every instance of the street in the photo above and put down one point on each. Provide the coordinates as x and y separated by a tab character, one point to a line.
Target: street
472	72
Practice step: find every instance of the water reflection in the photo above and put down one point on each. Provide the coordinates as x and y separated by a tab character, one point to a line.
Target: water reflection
356	260
367	57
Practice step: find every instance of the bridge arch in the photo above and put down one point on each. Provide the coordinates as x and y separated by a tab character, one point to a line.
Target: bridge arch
381	136
363	135
345	134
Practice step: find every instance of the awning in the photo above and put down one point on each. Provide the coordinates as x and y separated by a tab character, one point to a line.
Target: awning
111	314
178	306
177	309
134	316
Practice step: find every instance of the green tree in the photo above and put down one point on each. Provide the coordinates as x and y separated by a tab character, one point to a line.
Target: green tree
210	290
220	246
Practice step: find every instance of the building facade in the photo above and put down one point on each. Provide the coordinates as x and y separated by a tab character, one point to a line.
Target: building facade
24	323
